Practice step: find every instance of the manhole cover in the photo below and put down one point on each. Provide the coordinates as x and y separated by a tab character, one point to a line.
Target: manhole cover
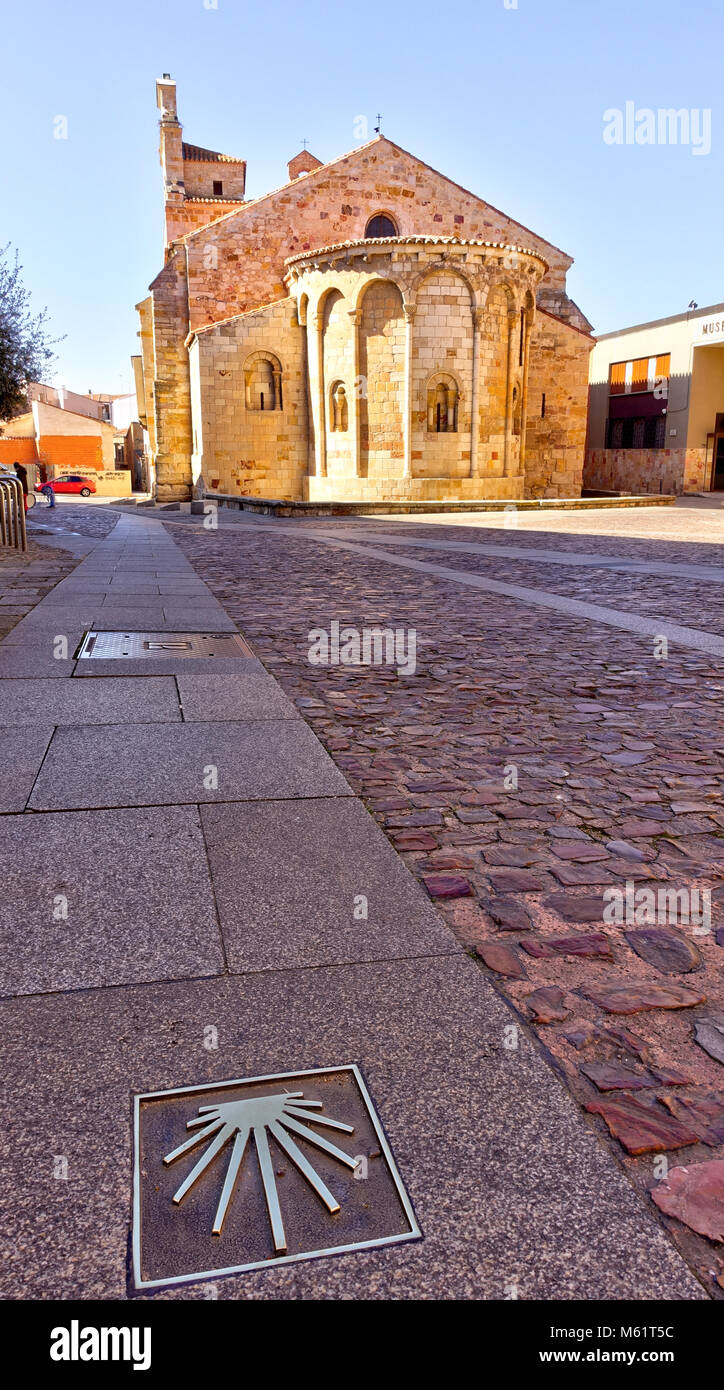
110	646
261	1171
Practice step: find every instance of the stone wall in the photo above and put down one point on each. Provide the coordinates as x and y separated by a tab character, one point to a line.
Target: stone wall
440	302
240	450
555	441
645	471
200	175
238	262
412	489
500	310
191	214
148	371
442	345
339	366
171	389
382	368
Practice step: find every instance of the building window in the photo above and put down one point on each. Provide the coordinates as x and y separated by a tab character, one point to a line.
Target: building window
442	405
521	345
263	382
640	432
543	406
380	226
339	412
218	188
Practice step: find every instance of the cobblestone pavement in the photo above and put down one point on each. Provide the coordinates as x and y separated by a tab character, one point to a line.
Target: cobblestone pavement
69	518
532	761
26	577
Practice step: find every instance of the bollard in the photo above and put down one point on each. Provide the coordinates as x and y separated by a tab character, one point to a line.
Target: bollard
12	513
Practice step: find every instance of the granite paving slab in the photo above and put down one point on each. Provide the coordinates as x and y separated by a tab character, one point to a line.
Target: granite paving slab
253	695
68	598
509	1185
185	619
85	900
17	662
170	764
144	605
42	623
302	883
21	754
105	701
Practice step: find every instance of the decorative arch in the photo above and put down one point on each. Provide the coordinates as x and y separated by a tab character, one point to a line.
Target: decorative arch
373	279
444	267
302	308
501	282
381	357
328	302
442	400
263	381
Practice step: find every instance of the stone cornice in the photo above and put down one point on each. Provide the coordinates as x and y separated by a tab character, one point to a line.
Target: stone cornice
376	246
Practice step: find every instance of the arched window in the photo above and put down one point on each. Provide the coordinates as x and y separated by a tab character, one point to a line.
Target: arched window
263	382
380	225
339	412
442	405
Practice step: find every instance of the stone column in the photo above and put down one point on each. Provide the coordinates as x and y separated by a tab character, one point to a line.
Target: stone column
353	404
513	322
407	406
524	391
315	330
450	410
307	391
478	320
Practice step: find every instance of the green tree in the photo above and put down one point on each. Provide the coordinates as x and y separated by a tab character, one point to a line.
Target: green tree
26	350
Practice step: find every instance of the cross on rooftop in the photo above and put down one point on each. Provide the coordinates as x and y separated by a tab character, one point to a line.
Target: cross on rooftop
378	127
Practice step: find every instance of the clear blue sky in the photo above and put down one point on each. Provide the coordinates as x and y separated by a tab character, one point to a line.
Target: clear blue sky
507	102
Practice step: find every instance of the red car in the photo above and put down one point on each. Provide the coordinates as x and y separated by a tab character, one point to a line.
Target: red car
74	482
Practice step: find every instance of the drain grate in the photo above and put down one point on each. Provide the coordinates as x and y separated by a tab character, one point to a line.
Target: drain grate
111	646
239	1175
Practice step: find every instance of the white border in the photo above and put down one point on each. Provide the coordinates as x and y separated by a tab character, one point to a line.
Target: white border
414	1232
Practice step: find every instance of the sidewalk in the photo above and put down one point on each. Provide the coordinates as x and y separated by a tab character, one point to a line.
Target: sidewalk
207	855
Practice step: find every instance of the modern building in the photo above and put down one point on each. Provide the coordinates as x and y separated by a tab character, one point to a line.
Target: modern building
656	406
66	432
368	331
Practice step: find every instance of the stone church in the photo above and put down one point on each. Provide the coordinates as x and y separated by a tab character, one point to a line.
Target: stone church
368	331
